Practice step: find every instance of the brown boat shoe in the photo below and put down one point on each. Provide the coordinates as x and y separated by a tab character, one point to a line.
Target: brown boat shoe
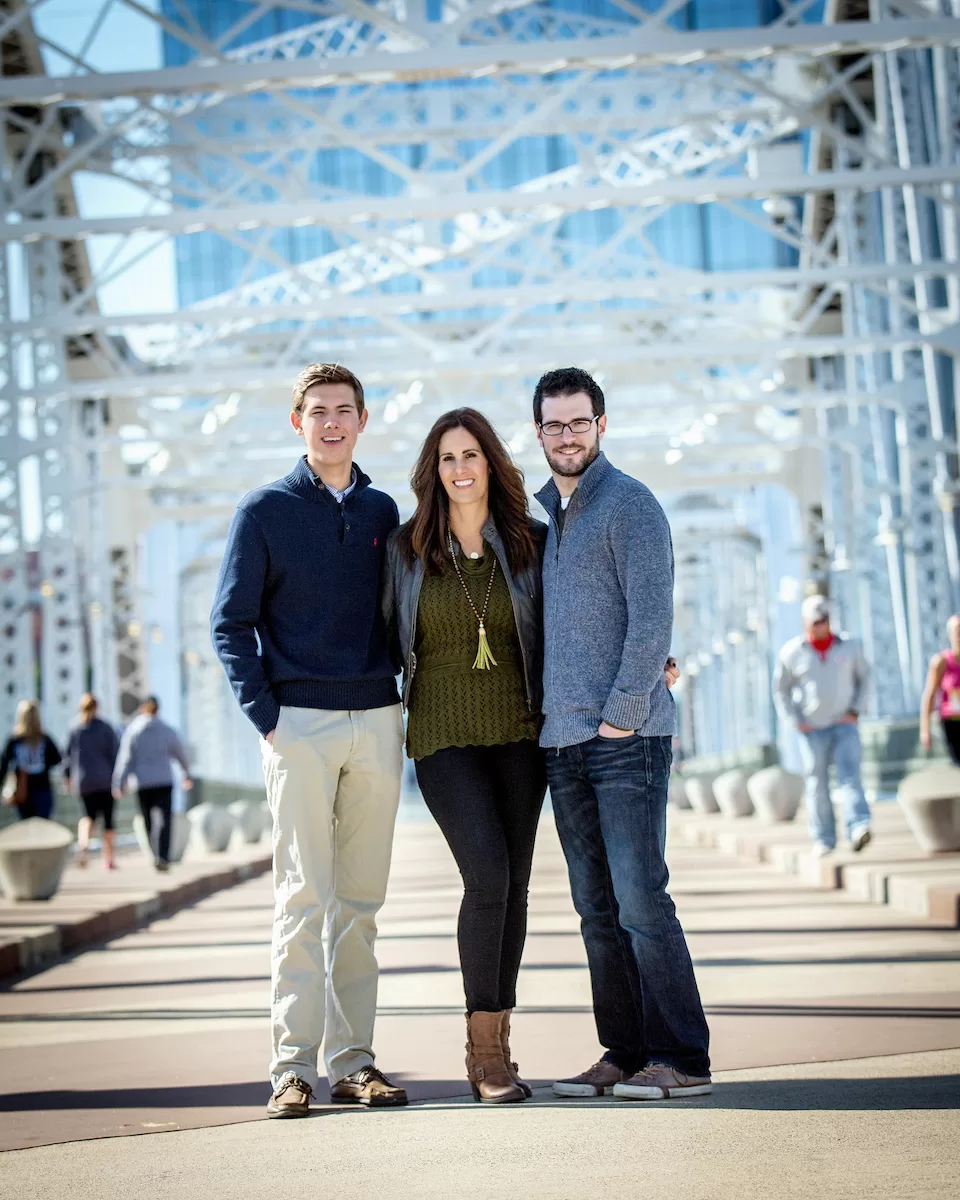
368	1086
291	1097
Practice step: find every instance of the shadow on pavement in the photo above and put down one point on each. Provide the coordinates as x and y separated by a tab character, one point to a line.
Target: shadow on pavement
779	1095
813	1095
208	1095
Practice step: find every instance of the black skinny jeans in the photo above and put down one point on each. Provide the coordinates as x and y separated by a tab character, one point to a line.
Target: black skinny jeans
487	801
162	798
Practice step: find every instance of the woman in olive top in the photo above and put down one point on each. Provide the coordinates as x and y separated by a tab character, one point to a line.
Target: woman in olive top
463	593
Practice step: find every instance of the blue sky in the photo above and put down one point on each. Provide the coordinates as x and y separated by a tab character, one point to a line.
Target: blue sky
125	41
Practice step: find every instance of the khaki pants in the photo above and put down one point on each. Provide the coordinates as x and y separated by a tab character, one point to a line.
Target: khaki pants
333	786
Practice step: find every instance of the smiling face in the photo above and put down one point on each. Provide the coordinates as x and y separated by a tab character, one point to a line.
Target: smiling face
330	424
569	453
464	471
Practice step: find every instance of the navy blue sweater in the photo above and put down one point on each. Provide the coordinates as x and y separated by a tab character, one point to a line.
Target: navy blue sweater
303	573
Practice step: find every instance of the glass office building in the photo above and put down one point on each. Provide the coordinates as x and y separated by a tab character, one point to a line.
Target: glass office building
693	236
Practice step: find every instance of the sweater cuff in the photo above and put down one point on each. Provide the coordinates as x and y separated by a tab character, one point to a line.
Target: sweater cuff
264	713
624	711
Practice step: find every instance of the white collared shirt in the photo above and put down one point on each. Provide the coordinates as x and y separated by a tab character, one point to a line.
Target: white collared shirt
335	492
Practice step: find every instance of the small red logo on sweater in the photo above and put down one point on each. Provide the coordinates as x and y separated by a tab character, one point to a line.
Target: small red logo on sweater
374	541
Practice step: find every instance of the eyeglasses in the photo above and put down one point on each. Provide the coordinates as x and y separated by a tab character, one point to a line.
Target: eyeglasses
556	428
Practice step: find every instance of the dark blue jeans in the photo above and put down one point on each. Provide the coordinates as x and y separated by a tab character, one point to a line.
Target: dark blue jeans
610	801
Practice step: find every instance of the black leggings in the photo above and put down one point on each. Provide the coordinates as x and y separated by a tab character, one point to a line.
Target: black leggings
487	801
951	735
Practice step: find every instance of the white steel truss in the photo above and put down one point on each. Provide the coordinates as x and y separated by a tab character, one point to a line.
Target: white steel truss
453	197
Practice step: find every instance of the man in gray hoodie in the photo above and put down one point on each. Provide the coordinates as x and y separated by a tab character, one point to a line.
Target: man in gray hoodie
608	725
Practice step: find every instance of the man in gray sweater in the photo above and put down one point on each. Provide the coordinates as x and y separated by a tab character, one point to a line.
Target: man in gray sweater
608	724
148	749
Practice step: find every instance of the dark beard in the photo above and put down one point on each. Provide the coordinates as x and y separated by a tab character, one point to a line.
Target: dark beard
566	469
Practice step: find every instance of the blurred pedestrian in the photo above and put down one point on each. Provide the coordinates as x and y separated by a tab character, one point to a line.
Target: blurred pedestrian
820	687
32	755
90	758
147	750
943	678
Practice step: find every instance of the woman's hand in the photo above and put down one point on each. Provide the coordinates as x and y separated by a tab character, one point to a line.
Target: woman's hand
671	672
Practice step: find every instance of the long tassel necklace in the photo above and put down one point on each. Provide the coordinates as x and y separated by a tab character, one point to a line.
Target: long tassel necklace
484	660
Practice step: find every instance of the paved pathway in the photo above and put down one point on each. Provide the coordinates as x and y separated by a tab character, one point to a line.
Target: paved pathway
164	1030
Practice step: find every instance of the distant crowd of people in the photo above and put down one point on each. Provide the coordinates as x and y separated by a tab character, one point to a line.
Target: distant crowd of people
97	765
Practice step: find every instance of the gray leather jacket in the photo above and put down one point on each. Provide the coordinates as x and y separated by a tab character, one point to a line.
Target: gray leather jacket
401	596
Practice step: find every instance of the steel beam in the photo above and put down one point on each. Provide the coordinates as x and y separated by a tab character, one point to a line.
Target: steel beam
389	367
366	211
635	47
329	304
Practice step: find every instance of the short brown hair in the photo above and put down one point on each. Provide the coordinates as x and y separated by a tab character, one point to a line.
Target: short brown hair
325	373
88	706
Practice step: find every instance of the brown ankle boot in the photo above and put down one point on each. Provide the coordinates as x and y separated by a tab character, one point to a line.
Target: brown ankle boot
512	1067
486	1069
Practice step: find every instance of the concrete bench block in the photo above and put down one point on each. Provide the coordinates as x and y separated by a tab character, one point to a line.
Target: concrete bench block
678	792
930	800
776	794
210	827
926	895
730	790
247	820
147	840
33	854
700	794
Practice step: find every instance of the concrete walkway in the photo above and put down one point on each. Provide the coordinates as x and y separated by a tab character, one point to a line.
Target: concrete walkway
878	1127
835	1028
92	904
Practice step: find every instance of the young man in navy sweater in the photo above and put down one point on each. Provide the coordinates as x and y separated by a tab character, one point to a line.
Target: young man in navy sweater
301	576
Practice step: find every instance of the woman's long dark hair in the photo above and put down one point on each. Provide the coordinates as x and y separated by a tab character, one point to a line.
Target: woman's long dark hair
424	536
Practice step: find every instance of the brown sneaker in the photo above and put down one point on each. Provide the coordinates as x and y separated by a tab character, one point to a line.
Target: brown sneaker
291	1098
370	1087
660	1082
598	1080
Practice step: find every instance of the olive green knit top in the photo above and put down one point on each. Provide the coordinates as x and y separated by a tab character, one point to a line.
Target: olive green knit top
451	703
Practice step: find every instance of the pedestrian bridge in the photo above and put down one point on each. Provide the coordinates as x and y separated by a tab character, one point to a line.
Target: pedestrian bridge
741	219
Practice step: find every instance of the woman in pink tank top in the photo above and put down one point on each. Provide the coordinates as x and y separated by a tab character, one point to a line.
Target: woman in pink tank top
943	680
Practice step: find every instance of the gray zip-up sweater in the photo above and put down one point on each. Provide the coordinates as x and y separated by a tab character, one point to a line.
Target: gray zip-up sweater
818	690
607	610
